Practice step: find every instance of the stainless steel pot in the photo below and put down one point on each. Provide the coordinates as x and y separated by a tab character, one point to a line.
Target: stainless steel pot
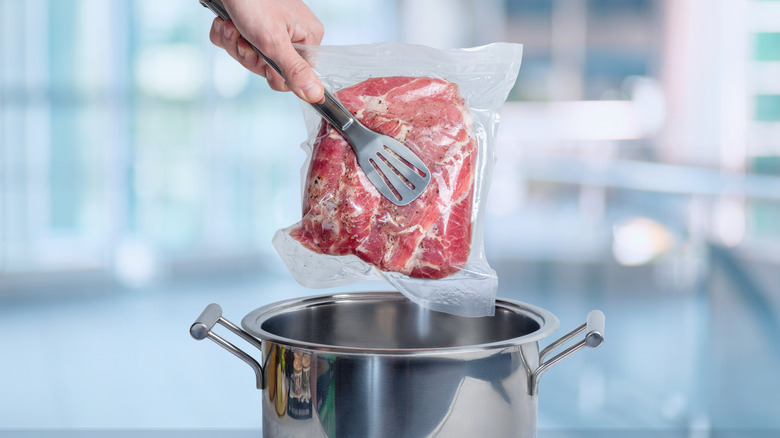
373	364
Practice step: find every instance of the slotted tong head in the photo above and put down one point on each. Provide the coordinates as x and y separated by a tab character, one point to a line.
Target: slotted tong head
392	168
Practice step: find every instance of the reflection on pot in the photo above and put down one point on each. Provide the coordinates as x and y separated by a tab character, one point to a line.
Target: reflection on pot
290	381
270	366
281	383
325	392
299	403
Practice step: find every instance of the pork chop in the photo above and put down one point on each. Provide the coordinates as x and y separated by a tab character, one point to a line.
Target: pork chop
344	214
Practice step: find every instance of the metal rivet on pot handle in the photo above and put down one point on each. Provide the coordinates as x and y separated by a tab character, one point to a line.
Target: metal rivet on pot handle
202	329
594	329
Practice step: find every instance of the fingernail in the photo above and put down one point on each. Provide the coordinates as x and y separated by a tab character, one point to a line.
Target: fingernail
228	31
311	92
218	25
242	49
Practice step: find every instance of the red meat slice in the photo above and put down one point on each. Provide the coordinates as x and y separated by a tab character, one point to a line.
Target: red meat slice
344	214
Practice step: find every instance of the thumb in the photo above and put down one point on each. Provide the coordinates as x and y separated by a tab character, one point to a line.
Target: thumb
299	75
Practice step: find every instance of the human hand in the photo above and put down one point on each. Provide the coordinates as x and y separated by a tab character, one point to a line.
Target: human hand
272	26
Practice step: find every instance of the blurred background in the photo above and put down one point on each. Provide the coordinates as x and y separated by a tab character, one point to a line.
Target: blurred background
143	173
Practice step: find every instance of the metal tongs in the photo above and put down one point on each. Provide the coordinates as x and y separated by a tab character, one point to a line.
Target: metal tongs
392	168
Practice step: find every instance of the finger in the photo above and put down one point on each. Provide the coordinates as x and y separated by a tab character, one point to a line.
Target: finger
239	49
227	38
275	81
215	34
247	56
299	75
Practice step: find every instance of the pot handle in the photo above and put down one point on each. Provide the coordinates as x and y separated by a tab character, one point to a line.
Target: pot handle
594	337
202	327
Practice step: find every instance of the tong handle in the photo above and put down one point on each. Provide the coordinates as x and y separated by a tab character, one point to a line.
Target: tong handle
330	108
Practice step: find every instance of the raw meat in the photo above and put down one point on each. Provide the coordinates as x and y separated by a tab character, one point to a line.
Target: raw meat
344	214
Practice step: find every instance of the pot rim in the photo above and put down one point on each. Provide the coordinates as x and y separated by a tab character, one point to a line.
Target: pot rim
254	320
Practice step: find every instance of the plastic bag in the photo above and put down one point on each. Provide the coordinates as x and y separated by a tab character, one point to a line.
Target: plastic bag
335	242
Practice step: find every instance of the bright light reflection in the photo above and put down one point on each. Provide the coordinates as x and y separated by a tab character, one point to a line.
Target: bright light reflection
171	71
134	263
649	102
730	221
640	240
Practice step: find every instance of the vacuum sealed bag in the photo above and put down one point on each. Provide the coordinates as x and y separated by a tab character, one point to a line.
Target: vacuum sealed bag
443	105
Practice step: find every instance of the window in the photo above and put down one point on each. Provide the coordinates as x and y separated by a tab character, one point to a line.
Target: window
121	127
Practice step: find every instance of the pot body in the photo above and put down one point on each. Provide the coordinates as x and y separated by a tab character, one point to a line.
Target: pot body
316	394
376	365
